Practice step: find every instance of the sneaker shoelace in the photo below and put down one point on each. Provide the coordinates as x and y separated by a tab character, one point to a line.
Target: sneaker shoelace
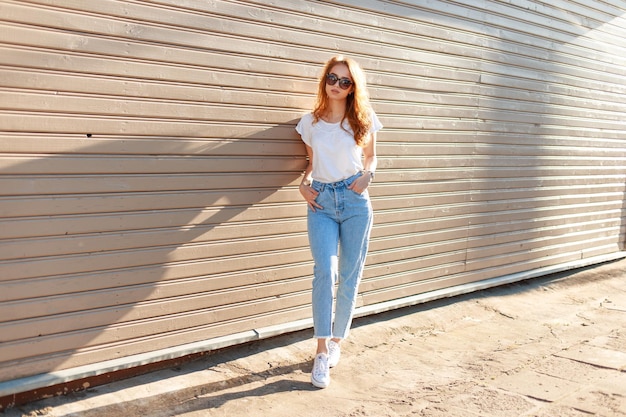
320	366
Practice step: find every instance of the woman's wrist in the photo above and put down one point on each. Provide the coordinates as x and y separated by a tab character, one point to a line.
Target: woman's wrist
370	173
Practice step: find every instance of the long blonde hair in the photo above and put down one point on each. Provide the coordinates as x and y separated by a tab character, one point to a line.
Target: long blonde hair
358	109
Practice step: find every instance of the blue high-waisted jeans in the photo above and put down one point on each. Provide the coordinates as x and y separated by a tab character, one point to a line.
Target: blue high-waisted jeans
339	236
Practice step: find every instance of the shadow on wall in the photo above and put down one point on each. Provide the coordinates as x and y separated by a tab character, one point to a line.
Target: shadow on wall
125	246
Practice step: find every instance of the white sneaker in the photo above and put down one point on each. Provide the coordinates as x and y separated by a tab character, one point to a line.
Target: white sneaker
334	353
320	376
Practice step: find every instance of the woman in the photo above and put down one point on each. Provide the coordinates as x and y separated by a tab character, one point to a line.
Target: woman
340	139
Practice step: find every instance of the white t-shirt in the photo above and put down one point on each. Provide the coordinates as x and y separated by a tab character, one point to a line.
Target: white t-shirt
336	156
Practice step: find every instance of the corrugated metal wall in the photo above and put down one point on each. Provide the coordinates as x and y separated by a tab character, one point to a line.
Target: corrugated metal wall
149	166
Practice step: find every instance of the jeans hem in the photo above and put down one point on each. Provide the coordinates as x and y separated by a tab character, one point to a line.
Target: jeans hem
323	337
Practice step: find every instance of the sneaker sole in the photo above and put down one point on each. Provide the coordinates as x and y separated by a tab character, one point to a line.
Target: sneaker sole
318	384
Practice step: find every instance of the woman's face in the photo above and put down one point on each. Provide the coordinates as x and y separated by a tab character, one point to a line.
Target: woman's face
335	92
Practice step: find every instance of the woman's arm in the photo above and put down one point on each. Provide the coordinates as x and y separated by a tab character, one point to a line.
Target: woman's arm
369	156
369	166
309	168
307	192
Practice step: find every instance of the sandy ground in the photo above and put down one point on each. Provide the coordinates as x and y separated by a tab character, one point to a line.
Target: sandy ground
552	346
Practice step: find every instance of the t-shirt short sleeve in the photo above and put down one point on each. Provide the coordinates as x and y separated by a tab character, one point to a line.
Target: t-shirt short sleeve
304	128
376	124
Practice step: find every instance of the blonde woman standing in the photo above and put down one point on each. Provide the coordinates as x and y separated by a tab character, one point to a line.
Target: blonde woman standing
340	139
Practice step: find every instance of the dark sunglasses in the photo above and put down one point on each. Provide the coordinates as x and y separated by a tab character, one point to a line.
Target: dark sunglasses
344	83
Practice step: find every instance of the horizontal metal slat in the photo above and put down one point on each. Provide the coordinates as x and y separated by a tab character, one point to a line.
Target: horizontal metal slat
16	227
49	293
87	316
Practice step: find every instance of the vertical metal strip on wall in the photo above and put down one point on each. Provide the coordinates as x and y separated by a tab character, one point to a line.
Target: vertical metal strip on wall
149	165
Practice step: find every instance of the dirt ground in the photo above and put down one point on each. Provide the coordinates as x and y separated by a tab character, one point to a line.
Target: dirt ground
552	346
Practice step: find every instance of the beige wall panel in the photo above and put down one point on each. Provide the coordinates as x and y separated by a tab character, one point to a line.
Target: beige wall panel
531	241
138	300
52	294
135	330
39	184
189	92
146	259
386	236
87	355
510	264
92	317
402	266
102	203
201	244
208	24
224	222
17	165
228	139
106	126
432	278
399	273
536	91
149	165
112	107
145	78
543	225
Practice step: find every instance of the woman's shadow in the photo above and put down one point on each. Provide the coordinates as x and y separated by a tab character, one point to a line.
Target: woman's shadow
212	381
103	259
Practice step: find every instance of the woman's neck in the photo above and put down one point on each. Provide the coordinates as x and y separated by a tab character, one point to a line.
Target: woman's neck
335	112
